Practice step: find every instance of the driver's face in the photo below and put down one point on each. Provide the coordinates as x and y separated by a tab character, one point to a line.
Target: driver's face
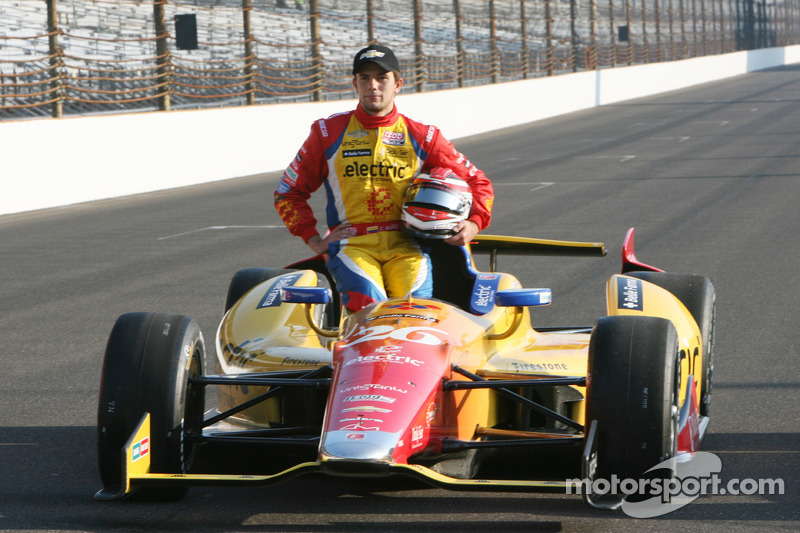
376	89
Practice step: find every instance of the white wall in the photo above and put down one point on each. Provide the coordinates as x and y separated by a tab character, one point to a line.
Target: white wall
55	162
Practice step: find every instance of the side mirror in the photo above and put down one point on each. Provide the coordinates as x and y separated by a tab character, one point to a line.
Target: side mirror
308	296
305	295
523	297
519	298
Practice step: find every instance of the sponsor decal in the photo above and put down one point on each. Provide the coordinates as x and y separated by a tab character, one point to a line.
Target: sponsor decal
355	436
357	153
380	358
482	300
371	54
379	204
290	361
395	152
431	412
366	409
272	298
431	133
537	367
394	138
358	427
140	449
370	398
357	134
382	170
361	419
403	315
323	128
391	349
290	175
356	143
372	386
417	436
629	291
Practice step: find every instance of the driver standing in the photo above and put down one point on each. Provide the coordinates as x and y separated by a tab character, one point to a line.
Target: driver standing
366	159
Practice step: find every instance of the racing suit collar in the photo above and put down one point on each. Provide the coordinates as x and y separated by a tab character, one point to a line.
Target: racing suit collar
370	121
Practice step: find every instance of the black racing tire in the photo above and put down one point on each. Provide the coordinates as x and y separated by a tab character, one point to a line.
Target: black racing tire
246	279
697	295
148	362
633	394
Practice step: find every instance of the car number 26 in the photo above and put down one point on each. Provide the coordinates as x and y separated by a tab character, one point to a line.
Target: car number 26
421	335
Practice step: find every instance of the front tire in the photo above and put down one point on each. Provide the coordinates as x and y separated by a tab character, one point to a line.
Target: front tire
149	360
697	295
633	394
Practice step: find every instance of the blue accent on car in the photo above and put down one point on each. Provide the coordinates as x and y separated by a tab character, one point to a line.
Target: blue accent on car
305	295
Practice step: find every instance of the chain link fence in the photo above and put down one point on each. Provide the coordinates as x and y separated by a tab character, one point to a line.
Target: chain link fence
70	57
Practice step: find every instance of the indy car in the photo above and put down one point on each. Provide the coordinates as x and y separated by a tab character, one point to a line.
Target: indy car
435	389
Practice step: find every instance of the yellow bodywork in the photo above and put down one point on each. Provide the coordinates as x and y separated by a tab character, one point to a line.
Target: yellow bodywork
658	302
501	343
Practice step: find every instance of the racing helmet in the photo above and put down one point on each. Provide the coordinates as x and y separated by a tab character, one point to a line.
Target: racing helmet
434	203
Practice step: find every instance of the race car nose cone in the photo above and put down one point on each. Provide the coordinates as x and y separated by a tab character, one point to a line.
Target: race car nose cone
370	446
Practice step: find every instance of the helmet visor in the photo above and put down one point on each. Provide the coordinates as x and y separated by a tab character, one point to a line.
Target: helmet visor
441	197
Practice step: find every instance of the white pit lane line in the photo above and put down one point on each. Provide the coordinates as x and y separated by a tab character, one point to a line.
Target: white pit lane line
538	184
211	228
620	158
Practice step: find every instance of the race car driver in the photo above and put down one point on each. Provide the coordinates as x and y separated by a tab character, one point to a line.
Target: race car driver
365	159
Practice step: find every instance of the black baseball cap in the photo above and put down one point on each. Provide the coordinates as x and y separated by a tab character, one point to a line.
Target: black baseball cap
375	53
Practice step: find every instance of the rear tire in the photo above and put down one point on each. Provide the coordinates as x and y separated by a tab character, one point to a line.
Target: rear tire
244	280
148	362
633	394
697	294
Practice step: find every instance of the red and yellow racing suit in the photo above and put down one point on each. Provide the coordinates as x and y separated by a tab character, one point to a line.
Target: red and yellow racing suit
365	164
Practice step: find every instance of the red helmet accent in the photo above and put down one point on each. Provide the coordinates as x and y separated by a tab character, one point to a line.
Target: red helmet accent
435	203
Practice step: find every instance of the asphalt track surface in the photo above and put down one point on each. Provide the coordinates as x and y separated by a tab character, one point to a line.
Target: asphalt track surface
709	176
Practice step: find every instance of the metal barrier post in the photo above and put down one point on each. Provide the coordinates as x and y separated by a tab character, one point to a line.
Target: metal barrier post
573	33
612	33
550	56
162	56
370	22
460	60
248	52
523	29
594	53
319	71
57	108
630	31
419	54
494	52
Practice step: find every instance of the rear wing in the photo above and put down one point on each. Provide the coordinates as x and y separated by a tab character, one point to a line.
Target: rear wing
494	244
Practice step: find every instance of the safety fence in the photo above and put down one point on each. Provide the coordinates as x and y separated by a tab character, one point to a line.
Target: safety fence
67	57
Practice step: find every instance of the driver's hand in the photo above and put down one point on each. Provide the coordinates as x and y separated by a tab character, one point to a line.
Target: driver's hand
320	245
465	232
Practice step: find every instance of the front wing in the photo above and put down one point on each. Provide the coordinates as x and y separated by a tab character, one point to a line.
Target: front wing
136	473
